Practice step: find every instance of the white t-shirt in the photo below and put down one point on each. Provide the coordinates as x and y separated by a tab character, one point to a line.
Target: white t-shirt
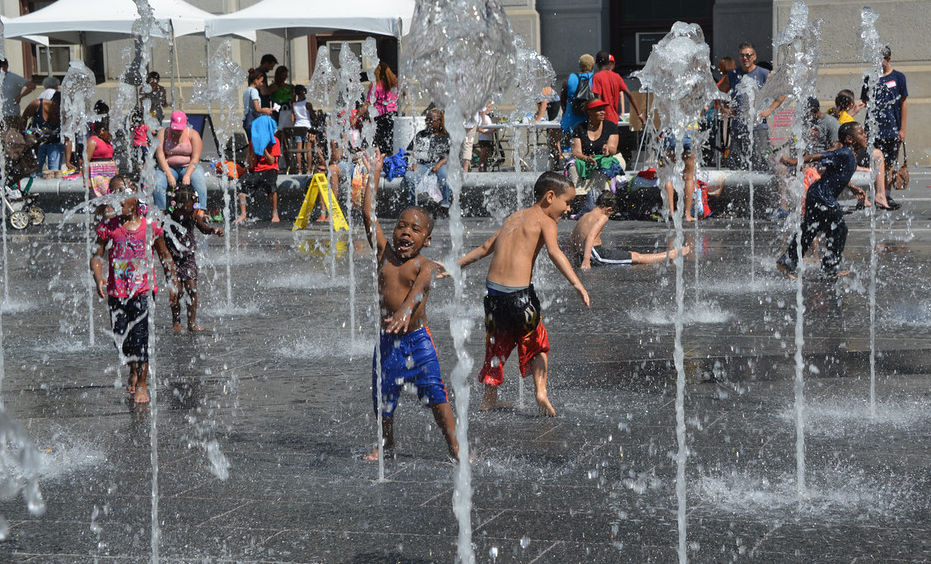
247	97
301	115
12	86
47	94
488	135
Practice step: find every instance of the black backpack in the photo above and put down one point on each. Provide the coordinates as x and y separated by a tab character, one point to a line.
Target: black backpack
583	95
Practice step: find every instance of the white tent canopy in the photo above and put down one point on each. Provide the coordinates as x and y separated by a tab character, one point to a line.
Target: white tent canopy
292	18
37	39
92	22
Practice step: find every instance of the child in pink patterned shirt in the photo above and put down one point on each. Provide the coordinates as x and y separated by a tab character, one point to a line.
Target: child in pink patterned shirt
127	285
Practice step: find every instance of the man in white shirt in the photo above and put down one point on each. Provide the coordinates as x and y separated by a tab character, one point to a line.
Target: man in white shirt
14	88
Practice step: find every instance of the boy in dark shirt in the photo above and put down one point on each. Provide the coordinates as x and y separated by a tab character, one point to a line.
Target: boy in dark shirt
822	213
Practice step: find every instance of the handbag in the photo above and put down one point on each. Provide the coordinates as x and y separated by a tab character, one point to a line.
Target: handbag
900	178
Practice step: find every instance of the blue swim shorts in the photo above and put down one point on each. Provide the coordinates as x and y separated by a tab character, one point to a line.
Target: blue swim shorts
408	358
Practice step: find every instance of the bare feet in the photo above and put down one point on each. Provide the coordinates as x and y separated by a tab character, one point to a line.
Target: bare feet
495	404
176	328
240	219
373	456
546	408
322	219
131	386
194	328
141	395
689	218
275	218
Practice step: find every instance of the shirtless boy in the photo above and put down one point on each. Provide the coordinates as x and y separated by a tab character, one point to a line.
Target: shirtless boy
407	350
585	241
512	310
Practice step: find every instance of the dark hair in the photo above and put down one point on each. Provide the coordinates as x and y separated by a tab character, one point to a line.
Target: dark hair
422	211
300	89
550	180
602	58
101	125
184	193
887	52
268	58
607	199
254	74
746	45
101	107
151	75
846	131
844	99
813	104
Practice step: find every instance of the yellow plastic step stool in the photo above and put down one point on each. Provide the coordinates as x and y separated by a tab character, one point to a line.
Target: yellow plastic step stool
320	189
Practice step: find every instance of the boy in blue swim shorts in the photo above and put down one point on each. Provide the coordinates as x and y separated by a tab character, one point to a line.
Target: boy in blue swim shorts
407	352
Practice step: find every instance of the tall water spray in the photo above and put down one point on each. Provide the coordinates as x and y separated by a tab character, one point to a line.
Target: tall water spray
460	51
19	459
677	73
871	48
77	99
350	87
532	72
221	92
143	27
798	56
322	85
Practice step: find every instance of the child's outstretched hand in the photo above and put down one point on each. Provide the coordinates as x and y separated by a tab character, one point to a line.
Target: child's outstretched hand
218	231
398	322
441	271
583	295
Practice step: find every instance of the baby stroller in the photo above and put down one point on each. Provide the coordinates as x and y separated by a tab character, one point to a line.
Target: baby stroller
20	164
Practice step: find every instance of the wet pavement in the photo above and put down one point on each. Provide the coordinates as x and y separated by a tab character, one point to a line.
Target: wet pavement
280	390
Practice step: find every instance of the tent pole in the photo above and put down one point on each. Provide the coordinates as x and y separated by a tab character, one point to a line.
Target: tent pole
172	60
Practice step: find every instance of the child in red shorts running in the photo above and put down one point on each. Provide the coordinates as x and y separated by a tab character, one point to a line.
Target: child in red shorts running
512	310
406	348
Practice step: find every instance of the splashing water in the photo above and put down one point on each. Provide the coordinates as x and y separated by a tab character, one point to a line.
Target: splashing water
221	91
460	51
350	69
20	467
77	97
798	50
678	75
871	49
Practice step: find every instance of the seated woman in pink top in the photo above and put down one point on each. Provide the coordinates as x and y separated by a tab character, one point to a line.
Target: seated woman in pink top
100	164
178	154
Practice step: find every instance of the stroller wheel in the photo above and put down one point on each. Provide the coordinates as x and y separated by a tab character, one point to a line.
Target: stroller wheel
36	215
19	219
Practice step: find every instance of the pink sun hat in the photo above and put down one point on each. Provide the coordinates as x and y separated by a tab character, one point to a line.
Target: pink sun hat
178	120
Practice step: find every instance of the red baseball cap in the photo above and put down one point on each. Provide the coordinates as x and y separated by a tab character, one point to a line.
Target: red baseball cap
610	58
596	104
178	120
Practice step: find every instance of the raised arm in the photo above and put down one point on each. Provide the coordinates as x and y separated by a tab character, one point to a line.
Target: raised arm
400	321
789	161
373	229
201	223
560	260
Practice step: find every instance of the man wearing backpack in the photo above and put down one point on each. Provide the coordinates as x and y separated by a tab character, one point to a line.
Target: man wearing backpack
608	85
577	84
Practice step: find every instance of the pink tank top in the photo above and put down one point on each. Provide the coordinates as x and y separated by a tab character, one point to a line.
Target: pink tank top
103	151
178	154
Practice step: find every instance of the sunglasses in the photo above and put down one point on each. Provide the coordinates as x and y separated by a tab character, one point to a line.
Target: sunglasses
746	55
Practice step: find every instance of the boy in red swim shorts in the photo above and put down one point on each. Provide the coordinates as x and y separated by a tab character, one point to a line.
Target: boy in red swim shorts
512	310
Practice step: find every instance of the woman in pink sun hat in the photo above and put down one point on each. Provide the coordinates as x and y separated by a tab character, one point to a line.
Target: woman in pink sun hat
178	154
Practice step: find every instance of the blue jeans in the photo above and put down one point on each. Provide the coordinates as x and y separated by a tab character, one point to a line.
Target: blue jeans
198	182
412	177
52	152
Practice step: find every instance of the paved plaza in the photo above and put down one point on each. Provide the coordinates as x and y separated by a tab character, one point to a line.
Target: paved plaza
261	422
